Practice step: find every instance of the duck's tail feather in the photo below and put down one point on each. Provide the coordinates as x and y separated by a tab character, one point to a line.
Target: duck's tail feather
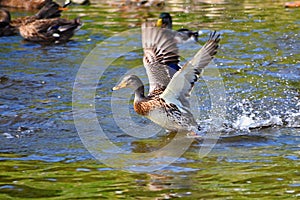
73	26
63	31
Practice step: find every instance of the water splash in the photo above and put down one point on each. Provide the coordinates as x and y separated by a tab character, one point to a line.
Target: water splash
245	116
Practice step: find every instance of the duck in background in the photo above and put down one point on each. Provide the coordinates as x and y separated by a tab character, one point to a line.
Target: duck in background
5	28
25	4
138	3
50	31
183	35
9	27
44	27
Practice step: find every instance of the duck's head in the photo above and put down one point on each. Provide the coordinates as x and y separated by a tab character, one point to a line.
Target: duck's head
164	21
4	17
129	81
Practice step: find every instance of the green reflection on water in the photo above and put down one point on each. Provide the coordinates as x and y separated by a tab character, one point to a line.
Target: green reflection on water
236	174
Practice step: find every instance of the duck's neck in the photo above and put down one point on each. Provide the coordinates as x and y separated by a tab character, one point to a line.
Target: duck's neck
169	23
139	93
169	26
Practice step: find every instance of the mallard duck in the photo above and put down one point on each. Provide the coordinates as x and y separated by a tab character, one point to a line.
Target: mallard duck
167	103
26	4
183	35
49	31
10	27
5	28
139	3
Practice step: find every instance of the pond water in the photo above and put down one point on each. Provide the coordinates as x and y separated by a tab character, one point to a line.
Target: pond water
256	151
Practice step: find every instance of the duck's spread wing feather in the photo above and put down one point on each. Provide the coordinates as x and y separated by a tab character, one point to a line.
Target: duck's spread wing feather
182	83
160	56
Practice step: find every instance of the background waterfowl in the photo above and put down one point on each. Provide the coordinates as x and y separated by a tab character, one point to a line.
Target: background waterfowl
25	4
167	103
183	35
48	31
138	3
5	28
10	27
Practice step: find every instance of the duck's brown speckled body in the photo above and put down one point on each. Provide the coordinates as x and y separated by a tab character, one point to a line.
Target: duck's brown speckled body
55	30
25	4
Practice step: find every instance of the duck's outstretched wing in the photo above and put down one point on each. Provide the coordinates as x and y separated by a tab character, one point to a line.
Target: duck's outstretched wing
160	56
182	83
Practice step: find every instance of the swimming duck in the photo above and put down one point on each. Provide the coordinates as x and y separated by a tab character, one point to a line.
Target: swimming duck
183	35
138	3
10	27
32	4
167	103
49	31
5	28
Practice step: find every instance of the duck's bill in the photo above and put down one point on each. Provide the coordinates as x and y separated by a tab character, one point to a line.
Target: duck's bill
120	86
115	88
159	23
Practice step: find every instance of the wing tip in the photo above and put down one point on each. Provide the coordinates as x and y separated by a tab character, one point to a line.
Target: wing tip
212	43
